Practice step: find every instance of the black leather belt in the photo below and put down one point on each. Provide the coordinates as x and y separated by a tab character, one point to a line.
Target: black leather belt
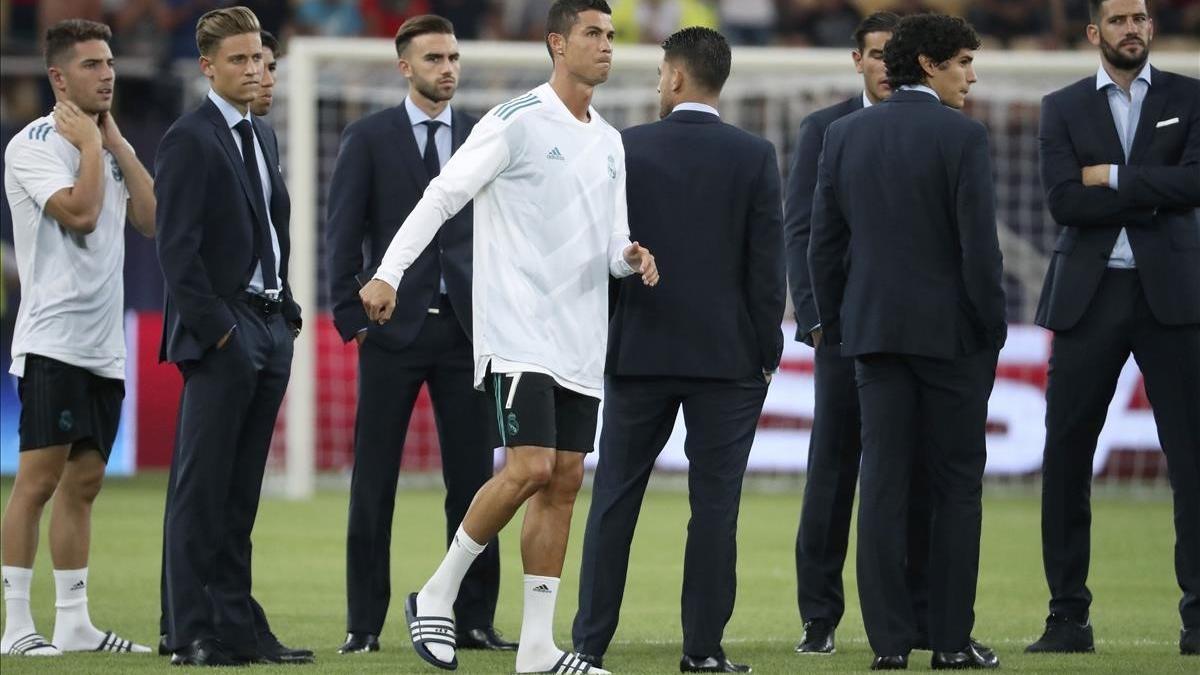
267	306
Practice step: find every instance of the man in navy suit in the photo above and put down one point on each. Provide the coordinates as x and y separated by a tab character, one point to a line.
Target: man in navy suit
1120	160
229	323
834	446
385	162
706	339
906	270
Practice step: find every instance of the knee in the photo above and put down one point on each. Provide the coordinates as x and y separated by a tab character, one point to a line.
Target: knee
532	474
565	483
82	488
35	488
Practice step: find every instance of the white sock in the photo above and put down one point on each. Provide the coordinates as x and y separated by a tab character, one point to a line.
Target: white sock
537	651
437	597
19	622
73	629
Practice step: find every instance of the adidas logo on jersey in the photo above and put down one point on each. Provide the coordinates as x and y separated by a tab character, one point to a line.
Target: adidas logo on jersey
78	585
541	588
555	154
41	131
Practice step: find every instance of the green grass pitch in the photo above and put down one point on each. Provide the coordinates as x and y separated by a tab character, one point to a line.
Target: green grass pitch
299	577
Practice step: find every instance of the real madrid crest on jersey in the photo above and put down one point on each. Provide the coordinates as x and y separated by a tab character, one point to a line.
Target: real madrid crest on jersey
116	169
612	167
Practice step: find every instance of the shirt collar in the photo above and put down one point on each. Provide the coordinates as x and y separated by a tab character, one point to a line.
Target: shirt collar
866	100
417	116
1103	80
922	88
230	113
696	107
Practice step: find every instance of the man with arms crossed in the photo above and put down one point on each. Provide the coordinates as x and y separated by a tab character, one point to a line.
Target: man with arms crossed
835	446
705	340
71	179
260	107
1120	158
548	177
229	323
904	193
385	162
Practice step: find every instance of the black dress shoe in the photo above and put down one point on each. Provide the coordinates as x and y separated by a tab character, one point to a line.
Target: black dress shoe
975	655
271	650
1189	641
818	638
899	662
597	661
163	649
359	642
711	664
1064	635
484	638
206	652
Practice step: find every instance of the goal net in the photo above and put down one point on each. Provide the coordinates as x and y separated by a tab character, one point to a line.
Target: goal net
327	83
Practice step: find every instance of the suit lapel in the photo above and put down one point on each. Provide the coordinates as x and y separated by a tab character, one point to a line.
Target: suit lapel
225	137
279	196
410	155
458	130
1152	107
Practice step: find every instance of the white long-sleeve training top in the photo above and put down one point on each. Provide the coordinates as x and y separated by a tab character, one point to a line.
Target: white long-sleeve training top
550	226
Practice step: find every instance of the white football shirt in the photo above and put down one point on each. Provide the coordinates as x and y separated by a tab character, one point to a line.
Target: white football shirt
550	226
72	286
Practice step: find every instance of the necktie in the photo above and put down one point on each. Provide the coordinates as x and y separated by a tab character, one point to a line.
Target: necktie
433	164
262	232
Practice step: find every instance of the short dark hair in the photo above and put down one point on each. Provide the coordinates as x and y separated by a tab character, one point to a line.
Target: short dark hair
1095	5
564	13
879	22
704	53
62	37
270	42
936	36
417	26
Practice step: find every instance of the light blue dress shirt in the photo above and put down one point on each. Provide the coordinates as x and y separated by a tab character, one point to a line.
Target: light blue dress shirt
921	87
696	107
232	117
1126	108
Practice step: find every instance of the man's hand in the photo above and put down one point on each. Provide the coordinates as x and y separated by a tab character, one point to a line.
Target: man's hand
1096	175
75	126
767	375
642	262
360	337
379	300
816	336
110	135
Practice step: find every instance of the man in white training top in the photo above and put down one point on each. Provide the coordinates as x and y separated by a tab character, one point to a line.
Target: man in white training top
71	179
547	174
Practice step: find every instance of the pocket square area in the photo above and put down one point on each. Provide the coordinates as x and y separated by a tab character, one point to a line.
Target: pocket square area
1167	123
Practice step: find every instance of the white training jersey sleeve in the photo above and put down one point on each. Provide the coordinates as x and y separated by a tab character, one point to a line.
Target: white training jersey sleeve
476	163
620	233
40	163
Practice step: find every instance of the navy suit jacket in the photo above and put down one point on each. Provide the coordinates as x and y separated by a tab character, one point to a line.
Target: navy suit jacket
206	222
904	255
704	197
797	210
378	178
1156	201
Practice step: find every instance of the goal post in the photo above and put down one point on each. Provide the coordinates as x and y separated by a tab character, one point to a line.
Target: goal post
326	83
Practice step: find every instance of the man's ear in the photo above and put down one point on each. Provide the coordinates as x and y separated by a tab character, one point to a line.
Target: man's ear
927	65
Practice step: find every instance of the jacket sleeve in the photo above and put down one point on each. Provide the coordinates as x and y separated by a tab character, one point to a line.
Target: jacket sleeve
802	180
1166	186
830	240
291	308
766	284
975	208
345	228
1071	203
179	189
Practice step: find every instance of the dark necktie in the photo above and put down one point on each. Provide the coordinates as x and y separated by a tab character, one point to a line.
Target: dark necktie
433	164
262	233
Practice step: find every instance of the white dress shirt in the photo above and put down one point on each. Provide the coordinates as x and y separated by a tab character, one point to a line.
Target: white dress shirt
696	107
232	117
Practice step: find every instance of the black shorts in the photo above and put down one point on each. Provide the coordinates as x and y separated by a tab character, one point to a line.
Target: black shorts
532	409
63	404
